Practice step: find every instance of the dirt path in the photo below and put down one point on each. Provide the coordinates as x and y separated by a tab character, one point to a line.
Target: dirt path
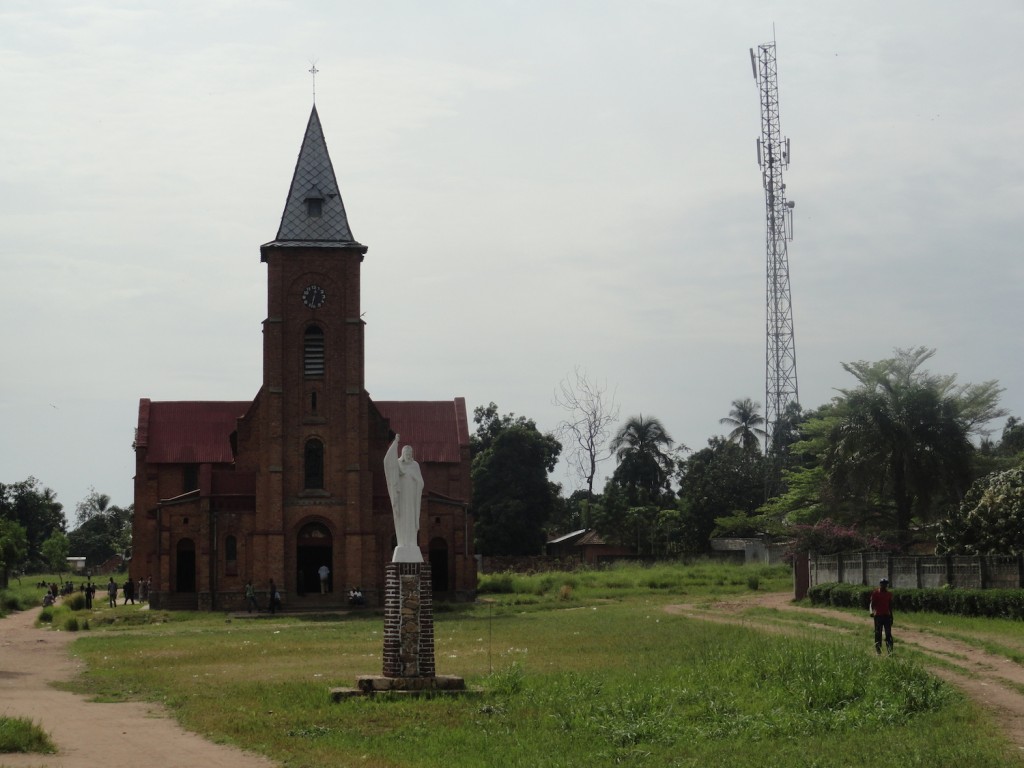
90	734
993	681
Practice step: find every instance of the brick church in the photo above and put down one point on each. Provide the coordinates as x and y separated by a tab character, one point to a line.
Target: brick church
276	487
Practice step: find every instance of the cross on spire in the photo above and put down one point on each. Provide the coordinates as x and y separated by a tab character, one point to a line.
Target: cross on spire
313	71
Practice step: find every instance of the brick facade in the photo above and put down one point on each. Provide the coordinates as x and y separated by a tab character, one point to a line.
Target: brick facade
227	492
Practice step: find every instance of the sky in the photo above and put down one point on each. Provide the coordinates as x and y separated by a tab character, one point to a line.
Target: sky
542	184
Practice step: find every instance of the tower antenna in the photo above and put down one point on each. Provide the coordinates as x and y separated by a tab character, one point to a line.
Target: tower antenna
780	348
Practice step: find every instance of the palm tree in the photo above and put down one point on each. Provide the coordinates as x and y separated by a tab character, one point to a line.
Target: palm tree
643	449
902	436
746	423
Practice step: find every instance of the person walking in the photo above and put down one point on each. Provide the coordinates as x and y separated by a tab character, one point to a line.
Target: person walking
324	572
250	597
880	607
112	593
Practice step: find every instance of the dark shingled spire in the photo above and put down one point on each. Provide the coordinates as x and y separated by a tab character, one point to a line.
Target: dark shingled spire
314	214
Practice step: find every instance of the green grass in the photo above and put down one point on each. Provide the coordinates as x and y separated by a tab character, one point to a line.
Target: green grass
21	735
603	676
707	578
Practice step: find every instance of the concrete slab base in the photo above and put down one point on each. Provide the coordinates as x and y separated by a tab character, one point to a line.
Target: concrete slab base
371	685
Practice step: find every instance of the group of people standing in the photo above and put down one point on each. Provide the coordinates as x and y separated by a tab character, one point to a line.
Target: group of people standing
131	589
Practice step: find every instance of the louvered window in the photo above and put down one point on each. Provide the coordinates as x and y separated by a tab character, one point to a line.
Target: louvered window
313	358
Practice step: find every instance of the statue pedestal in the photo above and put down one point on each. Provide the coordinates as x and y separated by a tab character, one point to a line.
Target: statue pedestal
408	639
408	621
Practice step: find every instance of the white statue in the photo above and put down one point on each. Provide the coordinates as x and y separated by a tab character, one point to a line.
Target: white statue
405	486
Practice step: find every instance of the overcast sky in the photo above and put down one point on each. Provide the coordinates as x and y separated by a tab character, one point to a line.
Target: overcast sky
541	185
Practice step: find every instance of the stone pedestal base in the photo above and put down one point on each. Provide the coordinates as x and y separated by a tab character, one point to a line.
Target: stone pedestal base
408	621
369	685
408	639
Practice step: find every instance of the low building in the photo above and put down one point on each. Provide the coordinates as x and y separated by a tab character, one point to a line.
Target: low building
586	546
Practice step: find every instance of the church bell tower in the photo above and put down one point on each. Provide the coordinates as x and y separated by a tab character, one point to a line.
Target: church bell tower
314	495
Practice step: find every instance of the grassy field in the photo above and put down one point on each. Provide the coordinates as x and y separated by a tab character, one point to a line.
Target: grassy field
575	669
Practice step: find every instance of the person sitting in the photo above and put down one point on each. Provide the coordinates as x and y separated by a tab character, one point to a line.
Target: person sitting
355	597
48	599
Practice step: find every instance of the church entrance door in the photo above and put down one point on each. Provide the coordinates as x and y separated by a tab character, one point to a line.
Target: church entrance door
439	564
185	566
314	548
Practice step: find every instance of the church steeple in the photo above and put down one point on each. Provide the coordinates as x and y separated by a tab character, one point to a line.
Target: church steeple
314	213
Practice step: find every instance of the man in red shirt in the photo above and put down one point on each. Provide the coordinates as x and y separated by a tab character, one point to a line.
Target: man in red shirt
881	608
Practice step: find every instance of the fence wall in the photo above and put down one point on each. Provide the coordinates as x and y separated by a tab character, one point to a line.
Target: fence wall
919	572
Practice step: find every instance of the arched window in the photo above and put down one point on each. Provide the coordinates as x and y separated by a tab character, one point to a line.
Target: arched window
314	464
313	352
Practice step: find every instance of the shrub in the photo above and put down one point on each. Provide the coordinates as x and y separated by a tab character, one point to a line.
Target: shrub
497	583
989	520
987	603
75	602
70	624
19	735
46	616
827	538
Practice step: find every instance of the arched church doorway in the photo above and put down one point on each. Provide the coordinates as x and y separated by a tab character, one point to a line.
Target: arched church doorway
185	566
314	548
439	564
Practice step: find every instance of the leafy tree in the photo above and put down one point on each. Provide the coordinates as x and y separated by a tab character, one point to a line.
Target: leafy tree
575	512
56	549
989	521
102	534
95	504
746	423
723	480
13	548
513	500
590	412
899	440
35	509
803	502
787	431
646	462
1012	441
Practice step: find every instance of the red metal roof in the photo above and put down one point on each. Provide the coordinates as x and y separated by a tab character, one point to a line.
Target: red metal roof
188	432
199	432
436	429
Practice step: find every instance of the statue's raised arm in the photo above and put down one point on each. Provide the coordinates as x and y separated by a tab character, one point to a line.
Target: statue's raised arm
405	487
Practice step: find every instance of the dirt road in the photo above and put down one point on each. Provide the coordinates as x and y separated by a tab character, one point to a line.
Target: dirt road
993	681
90	734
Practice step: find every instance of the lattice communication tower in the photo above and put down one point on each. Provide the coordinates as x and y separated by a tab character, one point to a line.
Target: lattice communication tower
780	355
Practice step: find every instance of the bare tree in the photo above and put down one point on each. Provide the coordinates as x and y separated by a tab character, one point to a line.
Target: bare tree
590	411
